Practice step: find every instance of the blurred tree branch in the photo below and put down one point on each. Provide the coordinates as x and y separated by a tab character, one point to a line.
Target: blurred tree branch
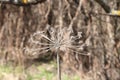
104	6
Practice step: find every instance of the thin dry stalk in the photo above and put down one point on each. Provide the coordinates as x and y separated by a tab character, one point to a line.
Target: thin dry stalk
76	14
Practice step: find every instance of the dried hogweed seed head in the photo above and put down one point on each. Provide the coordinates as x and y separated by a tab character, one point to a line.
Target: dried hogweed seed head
57	39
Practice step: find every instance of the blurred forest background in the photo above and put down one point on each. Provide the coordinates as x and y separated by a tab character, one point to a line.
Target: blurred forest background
100	55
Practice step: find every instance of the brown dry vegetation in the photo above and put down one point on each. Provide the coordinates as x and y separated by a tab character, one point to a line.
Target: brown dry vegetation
100	34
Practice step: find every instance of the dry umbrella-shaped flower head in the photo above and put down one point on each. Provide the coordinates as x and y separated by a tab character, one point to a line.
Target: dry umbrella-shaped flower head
55	39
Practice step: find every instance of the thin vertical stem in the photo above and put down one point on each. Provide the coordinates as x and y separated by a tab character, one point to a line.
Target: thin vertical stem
76	14
58	66
59	36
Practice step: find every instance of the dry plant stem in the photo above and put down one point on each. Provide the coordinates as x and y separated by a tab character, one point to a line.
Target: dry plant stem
60	27
76	14
49	7
58	66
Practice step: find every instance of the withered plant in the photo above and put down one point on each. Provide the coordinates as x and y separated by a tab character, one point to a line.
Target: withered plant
55	40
